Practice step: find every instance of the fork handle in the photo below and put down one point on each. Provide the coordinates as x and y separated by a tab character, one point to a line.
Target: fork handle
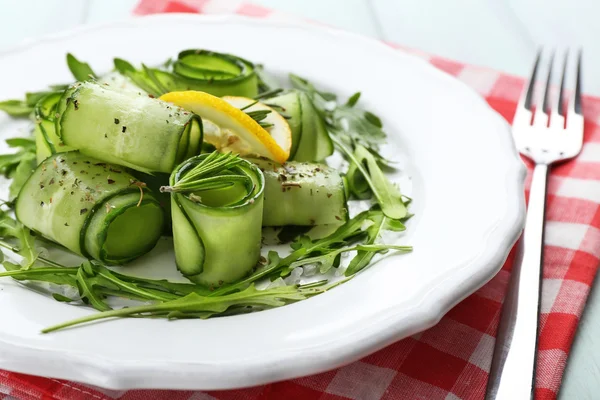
512	376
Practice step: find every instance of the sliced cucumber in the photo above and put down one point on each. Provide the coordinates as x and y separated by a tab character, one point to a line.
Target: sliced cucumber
121	83
125	128
310	138
217	233
154	183
289	105
302	194
216	73
91	208
315	143
47	141
42	149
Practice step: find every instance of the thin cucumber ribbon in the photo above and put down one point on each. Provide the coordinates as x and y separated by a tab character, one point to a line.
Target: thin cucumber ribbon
46	140
127	128
216	73
92	208
217	209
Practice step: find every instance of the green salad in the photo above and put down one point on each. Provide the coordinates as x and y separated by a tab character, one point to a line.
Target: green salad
211	151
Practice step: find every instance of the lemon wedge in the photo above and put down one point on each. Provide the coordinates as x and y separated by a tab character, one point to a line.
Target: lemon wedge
230	129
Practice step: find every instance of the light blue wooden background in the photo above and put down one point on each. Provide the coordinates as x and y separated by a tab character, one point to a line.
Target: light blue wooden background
502	34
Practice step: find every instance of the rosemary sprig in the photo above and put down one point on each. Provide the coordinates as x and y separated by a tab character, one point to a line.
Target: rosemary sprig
268	94
258	115
249	105
208	174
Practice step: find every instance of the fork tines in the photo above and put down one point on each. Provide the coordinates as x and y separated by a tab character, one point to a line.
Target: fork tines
549	112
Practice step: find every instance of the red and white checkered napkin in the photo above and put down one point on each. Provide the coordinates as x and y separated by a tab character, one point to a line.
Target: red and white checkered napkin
452	359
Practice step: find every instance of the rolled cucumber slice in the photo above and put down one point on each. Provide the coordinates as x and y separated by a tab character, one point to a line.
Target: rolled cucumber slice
154	182
310	138
217	232
126	128
219	74
46	139
289	105
92	208
302	194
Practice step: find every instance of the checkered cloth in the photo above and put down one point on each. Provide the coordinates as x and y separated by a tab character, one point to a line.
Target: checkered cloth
451	360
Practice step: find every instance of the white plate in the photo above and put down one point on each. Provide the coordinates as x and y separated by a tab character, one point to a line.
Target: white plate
467	184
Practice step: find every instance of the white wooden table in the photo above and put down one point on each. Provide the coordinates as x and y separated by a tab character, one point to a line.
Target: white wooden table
502	34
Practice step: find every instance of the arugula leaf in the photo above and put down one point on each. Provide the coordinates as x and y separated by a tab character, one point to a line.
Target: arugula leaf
360	126
102	280
332	259
363	258
357	134
58	276
149	72
349	123
14	229
87	291
304	247
21	173
80	70
380	223
25	143
326	261
10	162
388	196
109	276
139	78
193	304
16	108
307	87
32	98
164	285
61	298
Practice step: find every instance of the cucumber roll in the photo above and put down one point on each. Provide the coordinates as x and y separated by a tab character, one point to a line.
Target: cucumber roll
216	207
302	194
46	140
310	138
126	128
92	208
216	73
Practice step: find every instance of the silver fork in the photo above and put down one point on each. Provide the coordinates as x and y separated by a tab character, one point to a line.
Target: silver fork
546	138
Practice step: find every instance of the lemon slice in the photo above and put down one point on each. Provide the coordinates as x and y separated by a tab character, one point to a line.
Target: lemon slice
279	130
230	129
